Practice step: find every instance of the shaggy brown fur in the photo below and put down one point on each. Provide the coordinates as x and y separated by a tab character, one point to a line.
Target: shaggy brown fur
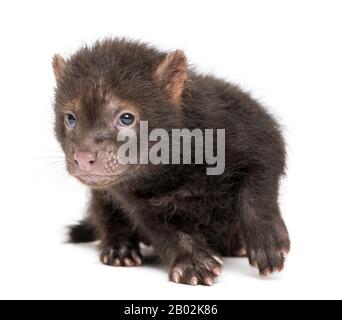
189	218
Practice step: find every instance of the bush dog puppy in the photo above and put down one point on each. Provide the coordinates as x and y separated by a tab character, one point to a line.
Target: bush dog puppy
190	217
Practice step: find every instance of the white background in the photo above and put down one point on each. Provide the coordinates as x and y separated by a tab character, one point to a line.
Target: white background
286	53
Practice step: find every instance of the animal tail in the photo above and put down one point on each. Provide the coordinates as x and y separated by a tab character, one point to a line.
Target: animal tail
82	232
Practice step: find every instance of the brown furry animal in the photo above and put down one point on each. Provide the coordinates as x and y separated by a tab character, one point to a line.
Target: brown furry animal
189	217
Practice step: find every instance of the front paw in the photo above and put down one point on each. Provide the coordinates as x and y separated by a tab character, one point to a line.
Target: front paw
124	255
268	254
200	269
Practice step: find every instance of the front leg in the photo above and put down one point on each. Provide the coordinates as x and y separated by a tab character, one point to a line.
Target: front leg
263	228
194	263
119	243
187	254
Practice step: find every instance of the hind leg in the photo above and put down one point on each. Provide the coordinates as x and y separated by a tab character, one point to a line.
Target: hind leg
238	246
263	228
232	243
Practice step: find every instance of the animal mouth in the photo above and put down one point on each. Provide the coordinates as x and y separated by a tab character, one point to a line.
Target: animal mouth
96	179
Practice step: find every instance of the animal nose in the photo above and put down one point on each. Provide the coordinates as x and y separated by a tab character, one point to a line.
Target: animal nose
85	160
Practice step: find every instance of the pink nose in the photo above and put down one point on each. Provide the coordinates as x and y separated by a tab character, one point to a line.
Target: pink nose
85	160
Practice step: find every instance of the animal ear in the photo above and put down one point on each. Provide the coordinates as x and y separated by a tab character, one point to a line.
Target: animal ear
172	73
58	65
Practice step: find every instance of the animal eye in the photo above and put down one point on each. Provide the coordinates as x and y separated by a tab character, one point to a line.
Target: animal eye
70	120
127	119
